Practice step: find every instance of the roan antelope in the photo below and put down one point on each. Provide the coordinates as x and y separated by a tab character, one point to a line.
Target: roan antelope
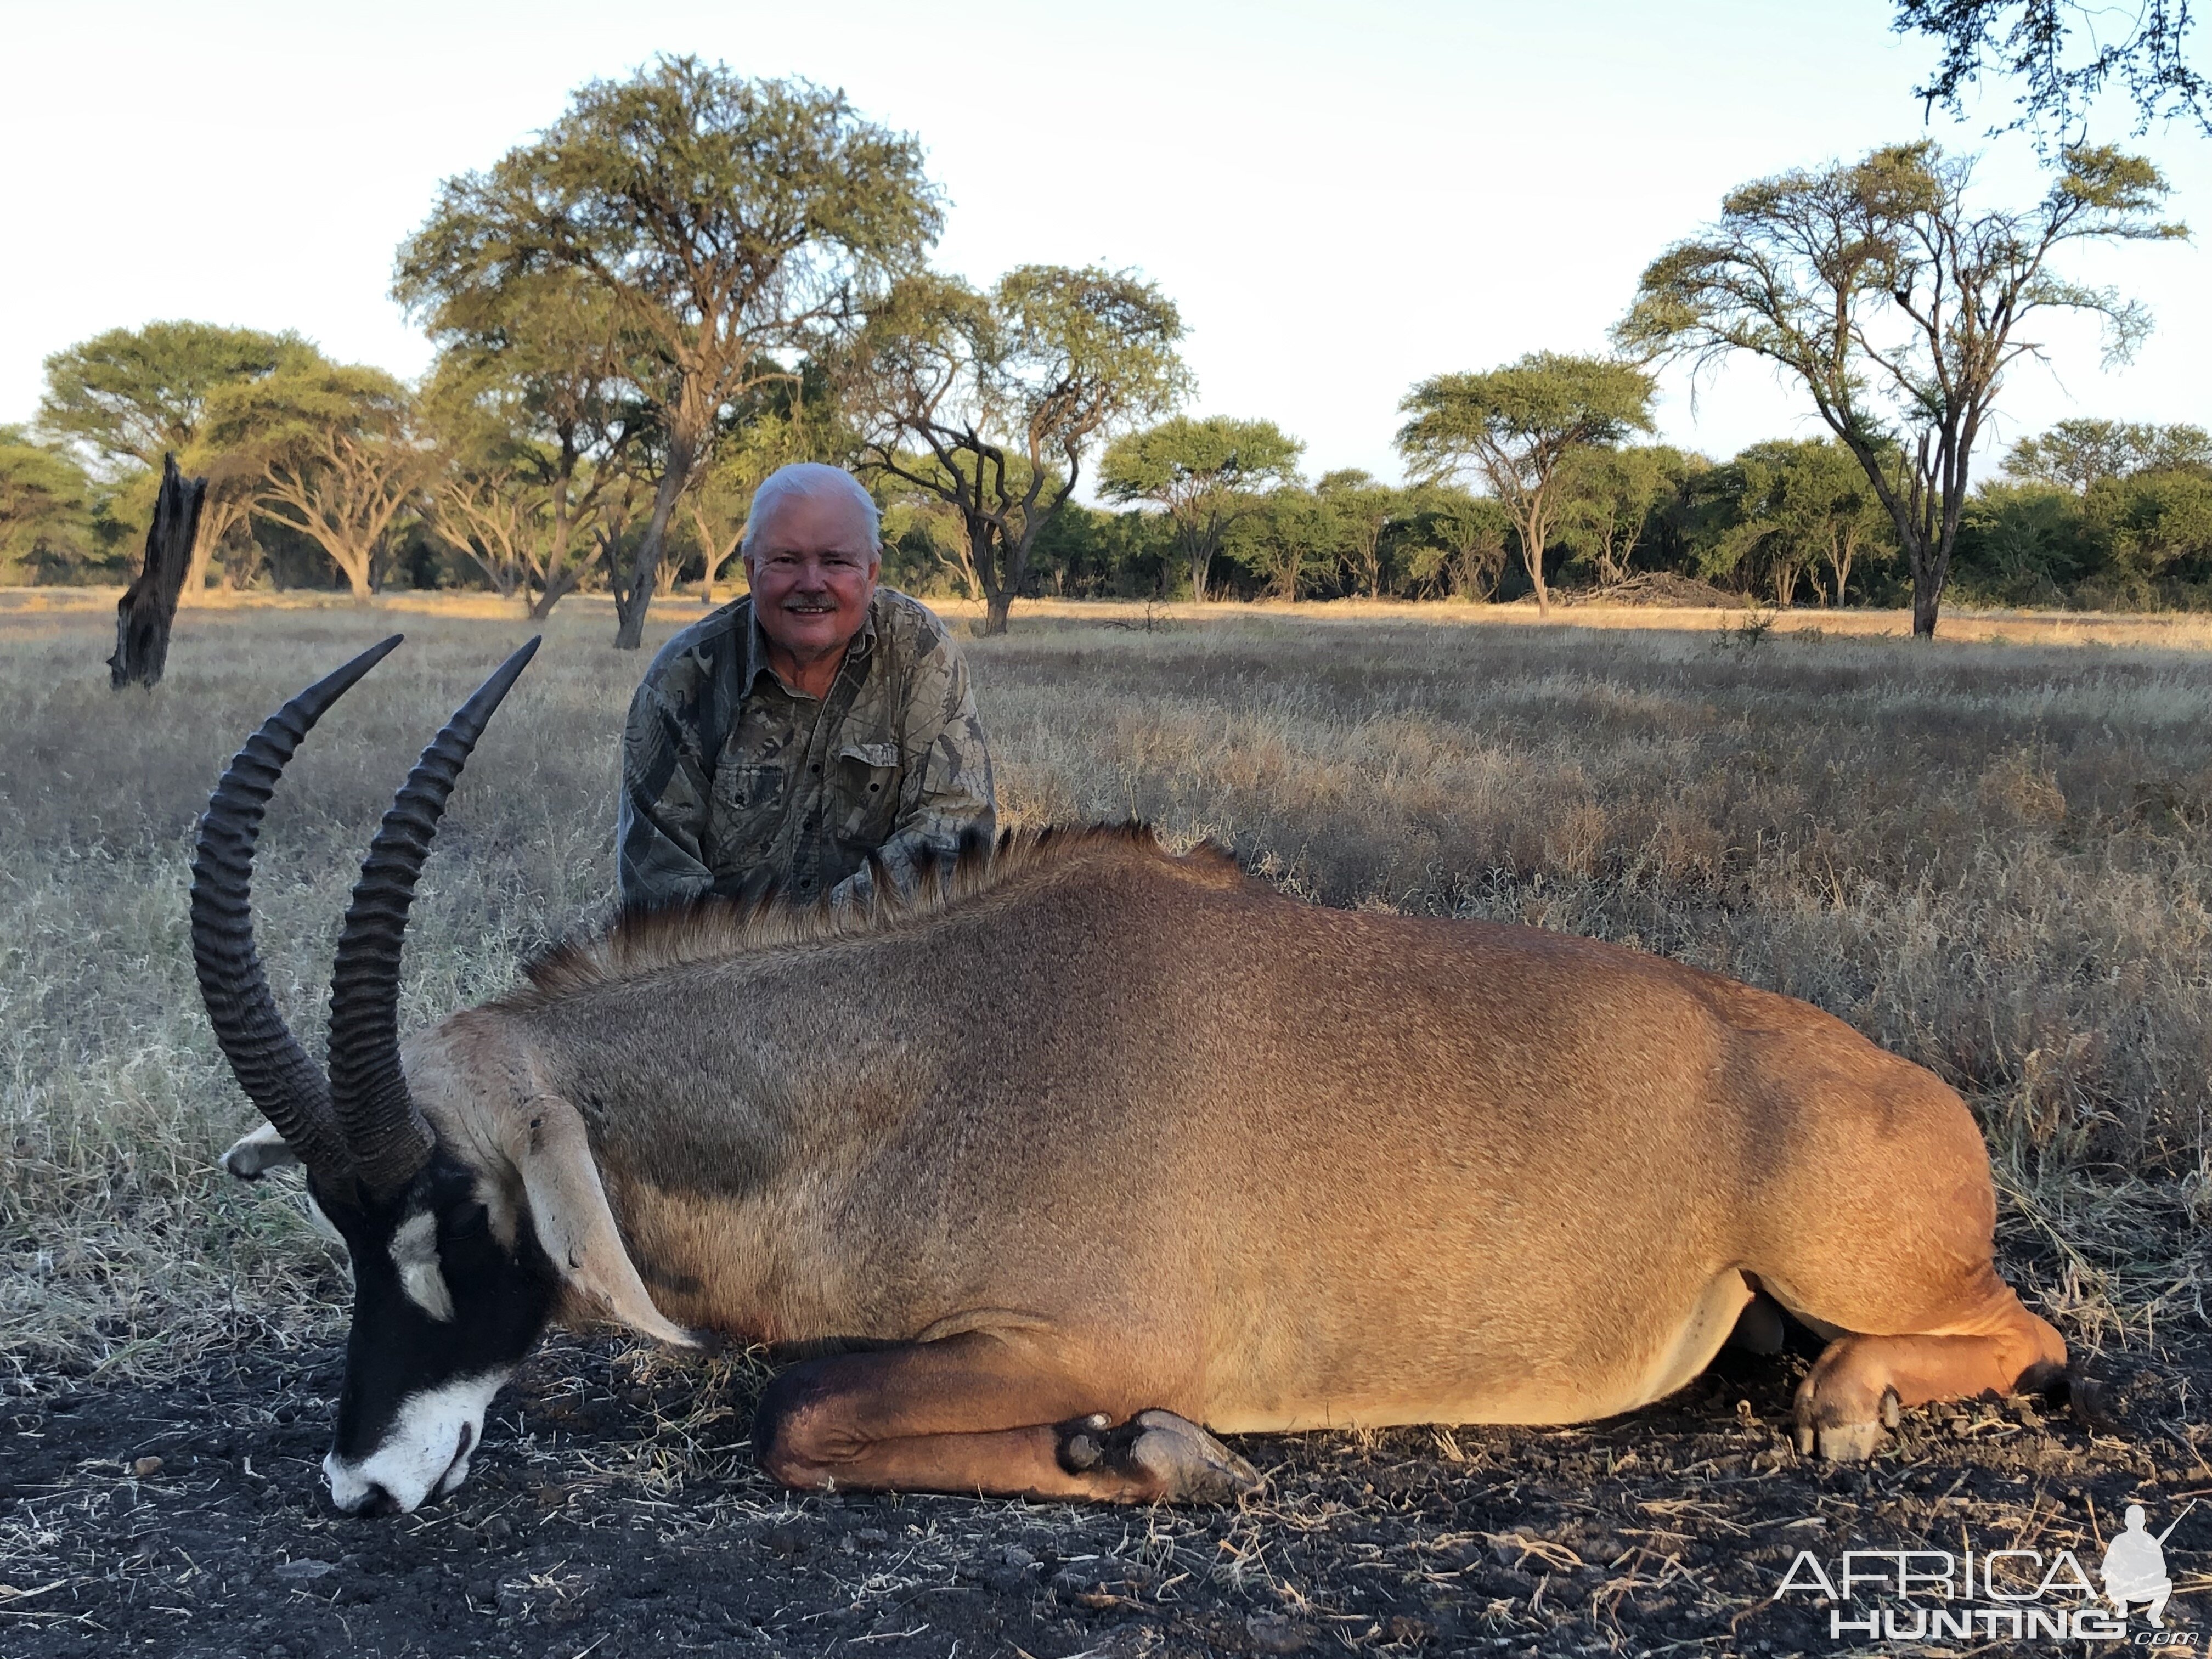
1083	1147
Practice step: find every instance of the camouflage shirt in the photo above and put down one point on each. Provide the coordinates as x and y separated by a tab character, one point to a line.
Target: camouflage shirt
731	779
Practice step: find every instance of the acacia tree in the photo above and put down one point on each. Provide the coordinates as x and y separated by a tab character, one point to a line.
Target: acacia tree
1204	474
533	395
484	499
329	452
1462	541
1294	538
1789	507
990	401
730	224
1513	427
1605	498
1898	308
129	396
45	508
2154	521
1365	511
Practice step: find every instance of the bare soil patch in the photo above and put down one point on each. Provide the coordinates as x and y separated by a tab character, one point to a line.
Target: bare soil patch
616	1508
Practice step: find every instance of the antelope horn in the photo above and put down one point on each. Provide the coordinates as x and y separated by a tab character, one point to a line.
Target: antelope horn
384	1129
276	1073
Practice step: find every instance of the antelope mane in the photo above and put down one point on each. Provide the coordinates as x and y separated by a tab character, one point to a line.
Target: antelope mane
716	929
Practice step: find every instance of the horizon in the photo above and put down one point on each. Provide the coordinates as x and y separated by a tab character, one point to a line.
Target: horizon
1381	256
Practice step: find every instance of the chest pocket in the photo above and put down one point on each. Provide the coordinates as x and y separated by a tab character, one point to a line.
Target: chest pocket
748	802
868	792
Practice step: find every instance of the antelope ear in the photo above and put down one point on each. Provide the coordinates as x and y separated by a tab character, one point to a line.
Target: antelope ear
251	1157
568	1207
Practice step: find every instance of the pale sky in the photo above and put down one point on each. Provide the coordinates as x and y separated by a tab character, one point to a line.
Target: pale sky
1343	199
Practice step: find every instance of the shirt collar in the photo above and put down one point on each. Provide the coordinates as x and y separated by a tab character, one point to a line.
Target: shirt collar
862	646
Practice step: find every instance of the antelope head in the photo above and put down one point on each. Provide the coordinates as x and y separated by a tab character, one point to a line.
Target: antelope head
446	1303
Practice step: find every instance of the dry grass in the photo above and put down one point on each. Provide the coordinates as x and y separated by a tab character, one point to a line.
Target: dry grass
1994	856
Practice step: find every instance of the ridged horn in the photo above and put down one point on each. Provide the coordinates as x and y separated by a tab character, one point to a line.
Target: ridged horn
271	1067
383	1130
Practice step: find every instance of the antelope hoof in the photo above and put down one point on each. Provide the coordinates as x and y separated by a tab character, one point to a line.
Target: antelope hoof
1169	1458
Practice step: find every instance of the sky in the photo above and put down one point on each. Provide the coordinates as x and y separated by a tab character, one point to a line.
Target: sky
1343	199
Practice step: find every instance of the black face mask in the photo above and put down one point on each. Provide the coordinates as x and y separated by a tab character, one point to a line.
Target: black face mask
397	1349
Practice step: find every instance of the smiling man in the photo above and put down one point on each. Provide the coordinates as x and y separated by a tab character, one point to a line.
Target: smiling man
818	721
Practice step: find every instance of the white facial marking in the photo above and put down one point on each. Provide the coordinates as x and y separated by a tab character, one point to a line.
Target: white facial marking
414	1252
499	1211
427	1448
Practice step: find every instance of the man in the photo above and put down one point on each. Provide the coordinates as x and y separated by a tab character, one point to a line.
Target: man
818	721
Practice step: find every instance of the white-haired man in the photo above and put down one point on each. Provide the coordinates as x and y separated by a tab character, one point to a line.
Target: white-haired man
817	721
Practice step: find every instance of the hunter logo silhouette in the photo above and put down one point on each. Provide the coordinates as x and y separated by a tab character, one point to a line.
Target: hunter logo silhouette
2134	1567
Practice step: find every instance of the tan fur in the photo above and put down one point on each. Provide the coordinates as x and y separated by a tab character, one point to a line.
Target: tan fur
1127	1131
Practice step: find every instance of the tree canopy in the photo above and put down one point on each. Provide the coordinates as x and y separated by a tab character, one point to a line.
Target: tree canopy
2075	453
45	508
2064	53
125	397
732	226
1791	510
129	396
691	277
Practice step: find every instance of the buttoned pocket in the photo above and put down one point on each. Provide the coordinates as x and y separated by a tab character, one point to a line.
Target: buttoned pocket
867	785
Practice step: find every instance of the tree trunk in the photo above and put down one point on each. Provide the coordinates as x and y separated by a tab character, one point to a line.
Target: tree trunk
1929	567
1841	550
715	566
148	607
1926	597
216	517
1199	569
555	590
1536	530
631	608
1534	563
357	575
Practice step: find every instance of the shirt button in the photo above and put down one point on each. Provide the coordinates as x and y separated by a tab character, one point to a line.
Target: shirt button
816	766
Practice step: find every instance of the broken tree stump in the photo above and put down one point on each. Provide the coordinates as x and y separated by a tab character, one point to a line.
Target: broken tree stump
148	605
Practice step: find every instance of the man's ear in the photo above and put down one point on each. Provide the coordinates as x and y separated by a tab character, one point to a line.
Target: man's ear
546	1140
251	1157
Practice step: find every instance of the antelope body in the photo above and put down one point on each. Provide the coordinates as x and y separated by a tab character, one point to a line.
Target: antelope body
1088	1145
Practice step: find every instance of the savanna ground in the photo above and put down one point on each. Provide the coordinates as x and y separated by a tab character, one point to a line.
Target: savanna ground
1993	854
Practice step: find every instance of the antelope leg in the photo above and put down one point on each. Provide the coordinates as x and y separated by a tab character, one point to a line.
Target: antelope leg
972	1413
1860	1382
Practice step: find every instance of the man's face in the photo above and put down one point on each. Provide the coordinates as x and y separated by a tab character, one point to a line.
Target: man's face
813	570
